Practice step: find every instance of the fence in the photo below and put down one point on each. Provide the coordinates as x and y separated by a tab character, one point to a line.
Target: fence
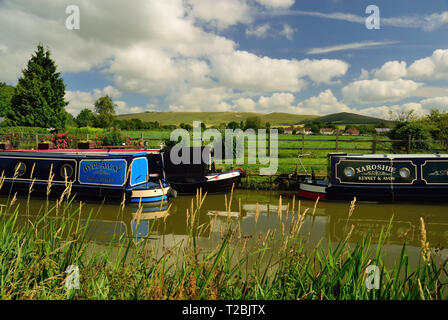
319	145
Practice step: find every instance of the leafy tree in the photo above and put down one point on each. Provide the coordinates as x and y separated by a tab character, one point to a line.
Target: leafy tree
86	118
186	126
253	123
409	126
439	123
105	112
6	94
38	99
233	125
71	120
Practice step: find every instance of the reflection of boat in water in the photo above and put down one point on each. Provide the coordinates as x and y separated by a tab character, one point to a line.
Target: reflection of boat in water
90	175
404	223
421	177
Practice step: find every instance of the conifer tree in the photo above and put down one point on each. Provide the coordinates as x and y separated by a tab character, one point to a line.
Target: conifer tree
38	99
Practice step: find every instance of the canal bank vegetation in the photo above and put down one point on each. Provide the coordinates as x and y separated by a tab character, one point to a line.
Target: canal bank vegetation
267	264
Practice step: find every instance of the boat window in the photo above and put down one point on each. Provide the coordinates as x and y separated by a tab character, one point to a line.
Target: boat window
20	169
66	171
349	172
404	172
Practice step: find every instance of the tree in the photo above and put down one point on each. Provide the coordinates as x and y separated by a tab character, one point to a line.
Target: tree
233	125
253	123
6	94
409	126
38	99
85	118
440	126
105	112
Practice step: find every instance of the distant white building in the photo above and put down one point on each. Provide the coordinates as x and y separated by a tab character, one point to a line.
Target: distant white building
382	131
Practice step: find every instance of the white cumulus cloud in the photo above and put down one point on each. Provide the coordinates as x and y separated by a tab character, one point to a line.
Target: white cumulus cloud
377	91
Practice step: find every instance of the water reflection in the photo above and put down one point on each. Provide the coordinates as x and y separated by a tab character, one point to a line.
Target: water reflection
167	222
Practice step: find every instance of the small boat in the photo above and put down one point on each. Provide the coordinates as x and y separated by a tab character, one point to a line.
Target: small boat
387	177
98	175
189	177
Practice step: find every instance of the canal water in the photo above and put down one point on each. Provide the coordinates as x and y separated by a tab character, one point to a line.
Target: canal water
328	222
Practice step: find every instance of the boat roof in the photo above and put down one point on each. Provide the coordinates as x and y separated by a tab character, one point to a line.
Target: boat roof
390	156
73	153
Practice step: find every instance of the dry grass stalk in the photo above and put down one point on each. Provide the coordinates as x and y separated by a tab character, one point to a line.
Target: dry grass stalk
163	193
32	169
425	250
2	179
315	206
230	201
225	201
239	207
30	189
50	180
420	289
257	212
349	234
279	210
123	201
138	214
352	207
14	199
293	203
297	224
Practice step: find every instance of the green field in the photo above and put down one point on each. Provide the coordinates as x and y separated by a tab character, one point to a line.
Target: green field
216	118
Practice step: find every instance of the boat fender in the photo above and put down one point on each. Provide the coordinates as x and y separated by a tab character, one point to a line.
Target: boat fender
172	193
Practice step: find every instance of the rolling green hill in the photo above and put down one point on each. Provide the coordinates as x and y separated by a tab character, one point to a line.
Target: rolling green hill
216	118
348	118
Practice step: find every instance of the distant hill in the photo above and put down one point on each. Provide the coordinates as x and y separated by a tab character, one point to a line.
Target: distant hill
348	118
216	118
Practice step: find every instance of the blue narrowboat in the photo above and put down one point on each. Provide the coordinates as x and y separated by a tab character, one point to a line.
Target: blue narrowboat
90	175
387	177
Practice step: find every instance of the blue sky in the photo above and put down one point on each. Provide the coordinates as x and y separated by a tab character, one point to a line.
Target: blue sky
304	57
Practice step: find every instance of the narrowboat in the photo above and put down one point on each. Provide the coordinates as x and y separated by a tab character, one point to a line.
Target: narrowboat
387	177
98	175
186	178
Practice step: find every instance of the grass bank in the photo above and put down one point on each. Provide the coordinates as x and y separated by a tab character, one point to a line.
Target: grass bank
274	264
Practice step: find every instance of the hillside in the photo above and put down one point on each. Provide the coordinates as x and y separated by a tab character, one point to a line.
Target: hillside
348	118
216	118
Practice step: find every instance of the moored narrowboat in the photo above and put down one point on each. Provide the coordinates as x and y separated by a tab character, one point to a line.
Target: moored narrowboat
186	178
90	175
388	177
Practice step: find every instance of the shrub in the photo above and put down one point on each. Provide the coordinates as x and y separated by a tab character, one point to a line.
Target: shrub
112	138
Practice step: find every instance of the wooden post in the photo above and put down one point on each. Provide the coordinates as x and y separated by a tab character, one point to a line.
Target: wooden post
303	143
374	144
87	137
337	142
37	140
409	145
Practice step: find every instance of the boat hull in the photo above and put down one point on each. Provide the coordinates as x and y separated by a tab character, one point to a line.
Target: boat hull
312	191
92	176
215	183
383	178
